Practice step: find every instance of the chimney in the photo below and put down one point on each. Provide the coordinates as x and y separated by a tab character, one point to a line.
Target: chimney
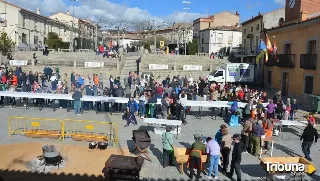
281	20
38	11
237	13
259	13
68	13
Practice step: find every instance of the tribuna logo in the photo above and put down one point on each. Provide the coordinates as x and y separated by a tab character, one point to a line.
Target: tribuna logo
285	167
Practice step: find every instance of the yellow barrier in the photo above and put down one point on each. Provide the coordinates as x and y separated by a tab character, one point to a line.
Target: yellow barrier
84	130
36	127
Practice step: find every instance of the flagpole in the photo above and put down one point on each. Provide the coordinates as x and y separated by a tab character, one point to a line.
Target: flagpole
263	77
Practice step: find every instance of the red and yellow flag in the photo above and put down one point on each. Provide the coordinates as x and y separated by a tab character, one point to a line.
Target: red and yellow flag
269	45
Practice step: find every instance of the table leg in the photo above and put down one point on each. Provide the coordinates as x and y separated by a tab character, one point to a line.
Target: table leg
271	148
54	105
181	168
68	106
177	130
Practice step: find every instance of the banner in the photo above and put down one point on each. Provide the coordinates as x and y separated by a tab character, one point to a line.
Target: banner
18	62
93	64
158	67
192	67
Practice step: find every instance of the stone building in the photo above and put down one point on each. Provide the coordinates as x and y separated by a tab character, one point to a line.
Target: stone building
224	18
213	39
296	70
28	29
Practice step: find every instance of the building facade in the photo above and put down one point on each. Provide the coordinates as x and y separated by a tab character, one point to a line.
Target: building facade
213	39
296	70
177	33
224	18
251	34
29	30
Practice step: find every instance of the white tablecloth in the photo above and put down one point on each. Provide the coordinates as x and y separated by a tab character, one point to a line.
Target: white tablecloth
292	123
162	121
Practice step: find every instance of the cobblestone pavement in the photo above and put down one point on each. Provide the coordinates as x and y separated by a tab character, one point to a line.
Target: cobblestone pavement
288	145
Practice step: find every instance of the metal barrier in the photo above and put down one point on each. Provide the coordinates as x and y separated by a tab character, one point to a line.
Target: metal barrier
83	130
36	127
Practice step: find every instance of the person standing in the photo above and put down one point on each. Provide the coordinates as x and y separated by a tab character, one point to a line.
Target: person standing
309	136
213	149
167	142
257	132
197	149
77	102
132	109
236	157
165	106
225	149
246	130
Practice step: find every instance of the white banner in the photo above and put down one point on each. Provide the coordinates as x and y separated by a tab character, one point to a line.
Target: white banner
158	67
192	67
93	64
18	62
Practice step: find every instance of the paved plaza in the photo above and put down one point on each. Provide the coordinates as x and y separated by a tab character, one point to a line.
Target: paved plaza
288	145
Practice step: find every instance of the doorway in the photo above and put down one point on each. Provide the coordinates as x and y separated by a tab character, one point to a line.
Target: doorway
285	83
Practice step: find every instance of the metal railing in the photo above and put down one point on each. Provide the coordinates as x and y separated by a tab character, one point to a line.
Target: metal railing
286	60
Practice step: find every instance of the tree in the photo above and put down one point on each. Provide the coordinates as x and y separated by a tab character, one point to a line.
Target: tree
6	45
54	42
192	47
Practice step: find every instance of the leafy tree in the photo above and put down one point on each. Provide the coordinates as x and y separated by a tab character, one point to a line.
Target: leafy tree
54	42
192	47
6	45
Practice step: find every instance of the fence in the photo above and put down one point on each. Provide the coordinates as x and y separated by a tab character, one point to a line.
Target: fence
80	130
83	130
36	127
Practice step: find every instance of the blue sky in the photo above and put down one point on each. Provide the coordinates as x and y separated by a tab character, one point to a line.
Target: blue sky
169	11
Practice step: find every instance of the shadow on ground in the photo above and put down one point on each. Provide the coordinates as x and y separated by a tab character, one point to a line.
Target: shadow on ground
286	150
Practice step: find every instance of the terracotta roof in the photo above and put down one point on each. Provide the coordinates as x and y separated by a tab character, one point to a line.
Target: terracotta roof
293	24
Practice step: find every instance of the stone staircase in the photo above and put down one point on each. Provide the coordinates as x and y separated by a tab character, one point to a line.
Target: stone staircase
129	64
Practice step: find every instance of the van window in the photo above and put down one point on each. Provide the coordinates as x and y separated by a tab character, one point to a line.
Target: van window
218	74
244	72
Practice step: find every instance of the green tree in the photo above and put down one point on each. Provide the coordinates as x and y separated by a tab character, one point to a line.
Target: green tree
54	42
6	45
192	47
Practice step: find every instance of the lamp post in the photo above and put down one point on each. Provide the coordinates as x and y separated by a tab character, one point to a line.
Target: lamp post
71	32
185	3
155	29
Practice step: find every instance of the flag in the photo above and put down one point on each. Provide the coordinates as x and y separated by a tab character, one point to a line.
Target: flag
262	52
262	46
267	56
275	50
269	45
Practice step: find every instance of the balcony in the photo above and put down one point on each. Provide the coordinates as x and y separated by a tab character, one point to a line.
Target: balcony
308	61
286	60
271	61
245	50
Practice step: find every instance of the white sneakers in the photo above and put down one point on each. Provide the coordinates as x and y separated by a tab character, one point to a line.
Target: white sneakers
210	178
142	117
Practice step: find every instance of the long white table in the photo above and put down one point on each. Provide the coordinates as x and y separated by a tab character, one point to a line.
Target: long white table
167	122
288	123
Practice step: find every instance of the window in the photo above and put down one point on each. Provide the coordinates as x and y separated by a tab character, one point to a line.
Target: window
308	84
245	31
287	48
202	40
244	72
258	27
244	43
24	21
220	38
218	74
202	49
35	39
262	26
257	42
45	27
230	38
269	77
312	47
24	38
60	31
251	28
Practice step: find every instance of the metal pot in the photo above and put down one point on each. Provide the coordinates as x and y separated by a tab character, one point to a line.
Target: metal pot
102	145
92	145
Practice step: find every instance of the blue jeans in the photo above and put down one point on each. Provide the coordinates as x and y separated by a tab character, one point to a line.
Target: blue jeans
214	162
142	109
152	109
292	115
77	107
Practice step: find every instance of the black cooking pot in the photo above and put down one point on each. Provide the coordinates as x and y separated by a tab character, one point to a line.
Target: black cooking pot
92	145
102	145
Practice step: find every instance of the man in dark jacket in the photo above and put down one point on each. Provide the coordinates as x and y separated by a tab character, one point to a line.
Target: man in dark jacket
164	107
309	136
198	149
132	109
238	148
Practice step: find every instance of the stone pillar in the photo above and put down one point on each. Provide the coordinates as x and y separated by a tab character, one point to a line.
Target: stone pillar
241	59
174	67
75	63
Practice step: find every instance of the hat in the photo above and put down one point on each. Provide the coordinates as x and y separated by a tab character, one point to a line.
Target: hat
236	136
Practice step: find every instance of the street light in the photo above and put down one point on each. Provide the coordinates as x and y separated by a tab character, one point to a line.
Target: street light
71	33
185	3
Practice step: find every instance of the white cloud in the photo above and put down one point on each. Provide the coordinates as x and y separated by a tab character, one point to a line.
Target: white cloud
281	2
104	10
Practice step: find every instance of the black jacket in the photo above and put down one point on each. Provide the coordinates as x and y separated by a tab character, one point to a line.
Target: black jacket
238	148
164	105
77	96
310	134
